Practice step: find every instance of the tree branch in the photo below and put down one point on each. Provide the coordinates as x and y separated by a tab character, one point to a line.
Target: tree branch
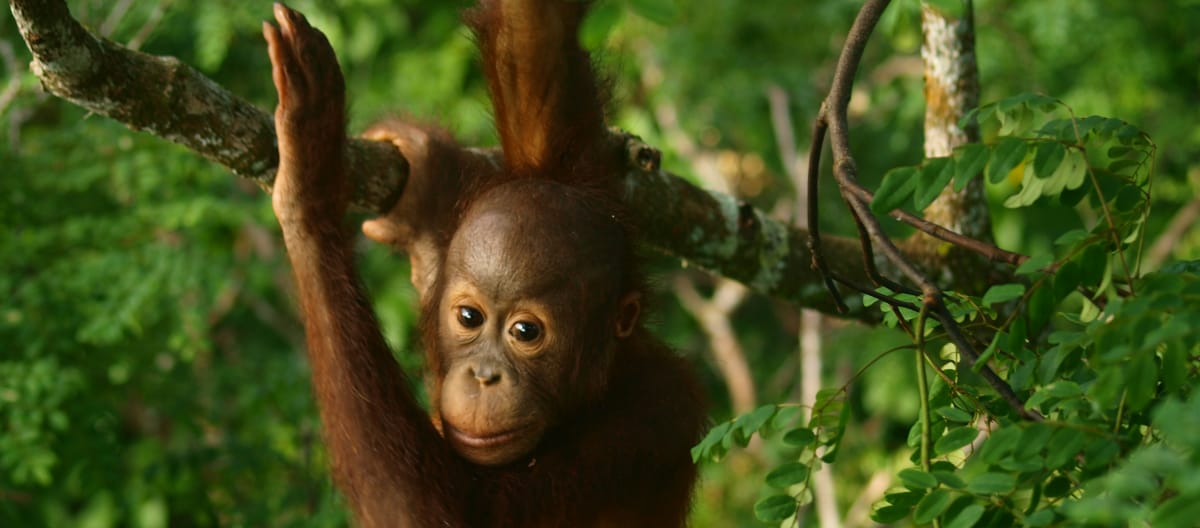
169	99
833	115
714	315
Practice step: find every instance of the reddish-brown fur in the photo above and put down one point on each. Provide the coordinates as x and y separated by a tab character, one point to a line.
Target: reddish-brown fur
620	410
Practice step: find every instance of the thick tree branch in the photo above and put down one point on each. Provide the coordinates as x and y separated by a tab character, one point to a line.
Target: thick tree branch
167	98
170	99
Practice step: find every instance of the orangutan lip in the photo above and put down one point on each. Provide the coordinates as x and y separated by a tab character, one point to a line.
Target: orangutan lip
487	441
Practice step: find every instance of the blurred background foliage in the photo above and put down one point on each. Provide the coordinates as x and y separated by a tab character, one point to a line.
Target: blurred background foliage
151	361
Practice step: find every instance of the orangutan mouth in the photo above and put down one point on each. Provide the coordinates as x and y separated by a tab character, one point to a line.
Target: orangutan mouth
485	441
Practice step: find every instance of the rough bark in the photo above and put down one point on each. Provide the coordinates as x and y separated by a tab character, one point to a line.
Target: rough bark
951	90
171	100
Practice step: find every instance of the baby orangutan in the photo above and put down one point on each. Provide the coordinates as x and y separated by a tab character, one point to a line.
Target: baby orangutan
550	404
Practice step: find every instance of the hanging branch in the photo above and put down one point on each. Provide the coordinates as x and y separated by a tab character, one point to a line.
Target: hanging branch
832	119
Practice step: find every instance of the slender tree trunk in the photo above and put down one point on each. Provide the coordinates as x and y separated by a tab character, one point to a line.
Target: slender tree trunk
951	90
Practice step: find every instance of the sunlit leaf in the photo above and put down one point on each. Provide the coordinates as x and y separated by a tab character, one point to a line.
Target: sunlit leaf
955	439
1003	293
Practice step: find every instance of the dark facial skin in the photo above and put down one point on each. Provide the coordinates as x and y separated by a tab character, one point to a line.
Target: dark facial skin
517	322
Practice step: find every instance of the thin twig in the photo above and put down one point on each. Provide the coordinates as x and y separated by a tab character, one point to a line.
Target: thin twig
824	491
923	391
820	127
1180	225
714	314
989	251
114	17
12	66
148	27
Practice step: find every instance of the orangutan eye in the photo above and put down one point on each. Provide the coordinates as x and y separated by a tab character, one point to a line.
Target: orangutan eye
469	317
525	331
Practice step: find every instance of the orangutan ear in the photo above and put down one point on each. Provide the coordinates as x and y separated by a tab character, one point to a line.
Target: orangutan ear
628	313
386	231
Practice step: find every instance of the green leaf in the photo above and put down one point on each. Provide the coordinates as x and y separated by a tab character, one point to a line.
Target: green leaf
1035	264
1064	389
969	161
1031	190
1000	444
787	474
931	506
949	479
889	513
1072	172
955	439
895	189
1141	380
1072	237
1057	487
1129	198
1175	367
1127	133
935	175
1047	158
1106	390
1003	293
800	437
1066	280
917	479
1063	446
1093	265
1016	335
1176	511
785	416
1041	306
1033	440
967	517
710	446
989	352
1119	151
753	421
1016	121
1009	153
954	414
1040	518
775	508
1124	167
992	483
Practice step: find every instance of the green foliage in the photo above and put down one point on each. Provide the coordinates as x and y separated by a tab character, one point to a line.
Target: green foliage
811	445
1106	354
151	365
1048	162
